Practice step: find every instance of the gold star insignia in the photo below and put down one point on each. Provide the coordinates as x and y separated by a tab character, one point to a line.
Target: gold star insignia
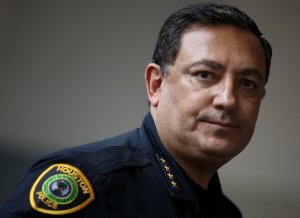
174	184
163	160
167	168
170	175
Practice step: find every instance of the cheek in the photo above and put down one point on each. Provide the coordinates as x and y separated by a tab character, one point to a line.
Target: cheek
183	99
199	101
169	104
250	112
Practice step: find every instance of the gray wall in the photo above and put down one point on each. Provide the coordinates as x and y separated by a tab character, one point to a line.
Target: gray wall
72	73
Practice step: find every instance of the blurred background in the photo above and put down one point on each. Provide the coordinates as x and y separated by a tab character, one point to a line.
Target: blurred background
71	72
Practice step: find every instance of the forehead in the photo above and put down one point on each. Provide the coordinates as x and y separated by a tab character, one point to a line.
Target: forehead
225	44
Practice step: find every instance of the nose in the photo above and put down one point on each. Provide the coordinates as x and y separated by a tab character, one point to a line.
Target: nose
225	96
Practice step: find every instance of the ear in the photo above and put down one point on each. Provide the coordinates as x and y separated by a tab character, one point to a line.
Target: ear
153	79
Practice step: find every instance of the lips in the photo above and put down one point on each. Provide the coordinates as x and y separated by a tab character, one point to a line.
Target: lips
220	119
224	120
223	124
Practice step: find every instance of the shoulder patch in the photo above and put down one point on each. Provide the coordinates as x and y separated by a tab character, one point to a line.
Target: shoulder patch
61	189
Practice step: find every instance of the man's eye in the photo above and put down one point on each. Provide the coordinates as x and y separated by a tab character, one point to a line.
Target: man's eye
204	75
248	84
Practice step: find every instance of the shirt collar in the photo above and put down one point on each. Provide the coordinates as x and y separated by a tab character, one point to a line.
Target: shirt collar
175	179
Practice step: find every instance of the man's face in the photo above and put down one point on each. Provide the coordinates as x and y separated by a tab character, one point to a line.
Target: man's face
209	103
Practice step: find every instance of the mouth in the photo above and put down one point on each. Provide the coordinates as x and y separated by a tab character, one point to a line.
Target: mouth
221	121
223	124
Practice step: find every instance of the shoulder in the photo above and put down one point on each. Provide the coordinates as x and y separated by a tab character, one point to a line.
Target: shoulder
105	155
65	181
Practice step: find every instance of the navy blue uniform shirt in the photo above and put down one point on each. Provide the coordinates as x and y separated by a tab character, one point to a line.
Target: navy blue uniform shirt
131	175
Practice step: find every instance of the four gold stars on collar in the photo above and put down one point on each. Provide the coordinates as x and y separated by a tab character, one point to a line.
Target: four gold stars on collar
168	173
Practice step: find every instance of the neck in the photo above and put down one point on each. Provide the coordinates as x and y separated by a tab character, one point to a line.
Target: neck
199	171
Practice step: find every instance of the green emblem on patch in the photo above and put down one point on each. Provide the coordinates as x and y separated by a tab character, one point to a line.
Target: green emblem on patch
60	188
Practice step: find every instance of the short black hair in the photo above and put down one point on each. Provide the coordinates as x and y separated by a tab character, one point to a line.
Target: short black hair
200	15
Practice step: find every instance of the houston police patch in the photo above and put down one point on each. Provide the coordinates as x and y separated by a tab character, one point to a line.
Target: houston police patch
61	189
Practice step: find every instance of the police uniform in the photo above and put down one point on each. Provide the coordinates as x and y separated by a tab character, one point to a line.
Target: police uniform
131	175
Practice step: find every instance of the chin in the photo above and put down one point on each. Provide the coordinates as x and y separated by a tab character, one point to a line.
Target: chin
222	149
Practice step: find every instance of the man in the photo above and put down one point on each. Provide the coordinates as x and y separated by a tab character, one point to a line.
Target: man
205	85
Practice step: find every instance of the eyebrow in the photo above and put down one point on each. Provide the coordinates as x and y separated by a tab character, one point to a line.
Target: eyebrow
208	63
252	72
